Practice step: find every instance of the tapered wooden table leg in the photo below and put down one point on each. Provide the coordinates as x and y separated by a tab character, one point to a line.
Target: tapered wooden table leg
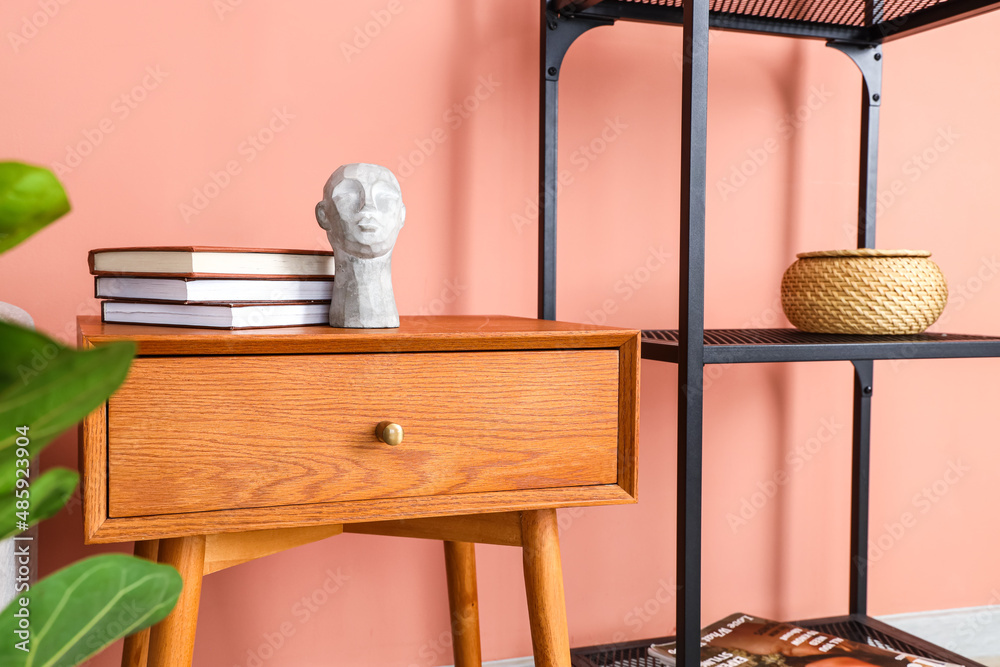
137	645
463	599
171	643
543	584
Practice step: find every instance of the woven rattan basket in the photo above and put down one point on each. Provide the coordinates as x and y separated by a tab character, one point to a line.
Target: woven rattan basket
864	291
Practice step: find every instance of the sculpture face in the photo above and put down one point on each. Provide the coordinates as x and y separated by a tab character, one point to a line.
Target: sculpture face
362	210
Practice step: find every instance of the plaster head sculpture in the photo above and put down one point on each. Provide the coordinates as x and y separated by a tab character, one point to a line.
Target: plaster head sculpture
362	212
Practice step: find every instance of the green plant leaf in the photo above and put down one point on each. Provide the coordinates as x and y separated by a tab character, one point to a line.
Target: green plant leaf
30	198
45	497
79	610
49	387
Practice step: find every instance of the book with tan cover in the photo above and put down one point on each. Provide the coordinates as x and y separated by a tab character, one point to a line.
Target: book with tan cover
205	261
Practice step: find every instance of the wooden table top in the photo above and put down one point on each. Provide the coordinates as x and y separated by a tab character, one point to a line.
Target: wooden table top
415	333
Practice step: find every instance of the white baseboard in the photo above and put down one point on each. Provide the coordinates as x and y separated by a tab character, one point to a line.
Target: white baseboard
973	632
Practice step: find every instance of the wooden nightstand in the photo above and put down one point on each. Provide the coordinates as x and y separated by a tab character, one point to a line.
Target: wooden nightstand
224	446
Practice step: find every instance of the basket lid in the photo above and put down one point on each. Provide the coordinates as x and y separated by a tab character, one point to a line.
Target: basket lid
865	252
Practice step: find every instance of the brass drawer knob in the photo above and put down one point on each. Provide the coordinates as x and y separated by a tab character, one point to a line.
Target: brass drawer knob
390	433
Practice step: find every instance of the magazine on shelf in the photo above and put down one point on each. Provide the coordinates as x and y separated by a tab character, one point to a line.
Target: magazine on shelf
741	640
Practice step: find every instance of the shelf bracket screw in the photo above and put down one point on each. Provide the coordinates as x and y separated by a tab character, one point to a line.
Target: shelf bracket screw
868	58
552	71
867	391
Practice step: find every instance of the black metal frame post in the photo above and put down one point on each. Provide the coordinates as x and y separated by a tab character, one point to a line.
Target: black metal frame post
874	12
558	32
868	58
860	485
691	331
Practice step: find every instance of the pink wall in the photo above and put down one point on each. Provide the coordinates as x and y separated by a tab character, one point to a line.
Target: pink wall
161	96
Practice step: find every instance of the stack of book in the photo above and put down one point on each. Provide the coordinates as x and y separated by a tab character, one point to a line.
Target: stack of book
223	288
741	640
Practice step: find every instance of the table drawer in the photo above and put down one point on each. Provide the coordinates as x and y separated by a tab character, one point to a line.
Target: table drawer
196	434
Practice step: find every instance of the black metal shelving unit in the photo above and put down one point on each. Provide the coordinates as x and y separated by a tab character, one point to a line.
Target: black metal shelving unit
857	28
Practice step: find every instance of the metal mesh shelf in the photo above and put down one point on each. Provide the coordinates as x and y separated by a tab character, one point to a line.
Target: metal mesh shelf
729	346
834	12
856	628
865	21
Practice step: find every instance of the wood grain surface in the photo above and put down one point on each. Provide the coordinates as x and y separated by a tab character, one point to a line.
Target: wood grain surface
171	641
503	528
212	433
93	463
228	549
543	584
232	521
463	602
628	416
415	334
428	334
135	649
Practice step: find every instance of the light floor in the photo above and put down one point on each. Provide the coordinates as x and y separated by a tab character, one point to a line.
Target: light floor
943	626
